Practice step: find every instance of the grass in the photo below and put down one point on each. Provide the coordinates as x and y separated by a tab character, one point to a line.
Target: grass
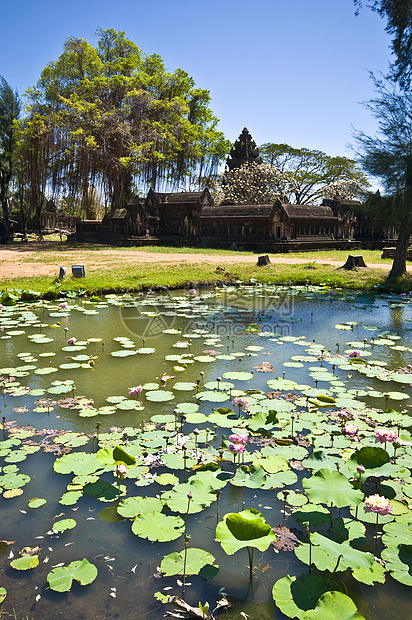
116	274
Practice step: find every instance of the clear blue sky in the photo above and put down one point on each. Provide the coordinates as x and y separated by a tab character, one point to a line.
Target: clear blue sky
292	71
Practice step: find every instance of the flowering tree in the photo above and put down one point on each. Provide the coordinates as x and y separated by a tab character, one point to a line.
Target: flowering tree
299	176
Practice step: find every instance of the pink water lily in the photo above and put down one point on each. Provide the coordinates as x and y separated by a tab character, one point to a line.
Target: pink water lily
378	504
240	402
384	435
355	354
71	340
350	429
64	305
135	390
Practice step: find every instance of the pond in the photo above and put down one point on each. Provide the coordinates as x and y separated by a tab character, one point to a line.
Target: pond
134	424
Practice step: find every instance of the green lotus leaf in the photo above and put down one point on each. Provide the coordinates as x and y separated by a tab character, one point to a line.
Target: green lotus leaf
3	594
334	606
329	486
252	477
216	479
280	480
36	502
123	353
177	500
197	562
326	553
320	459
145	350
63	525
177	461
79	463
213	396
399	563
158	527
282	384
184	386
167	478
61	578
130	507
70	498
312	514
370	576
375	460
272	464
159	396
263	420
398	532
11	480
26	562
244	529
294	596
293	499
238	376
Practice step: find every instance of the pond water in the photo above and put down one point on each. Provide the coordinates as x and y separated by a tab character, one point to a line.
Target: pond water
67	368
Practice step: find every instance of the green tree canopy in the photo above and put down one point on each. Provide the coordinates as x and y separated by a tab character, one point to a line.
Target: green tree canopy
398	14
300	176
113	118
388	157
9	113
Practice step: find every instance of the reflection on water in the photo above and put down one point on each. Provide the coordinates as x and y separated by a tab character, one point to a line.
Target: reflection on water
180	328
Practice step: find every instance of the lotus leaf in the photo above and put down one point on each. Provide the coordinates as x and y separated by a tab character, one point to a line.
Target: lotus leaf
252	477
197	562
294	596
334	606
26	562
3	594
36	502
177	498
329	486
326	553
281	479
63	525
159	396
158	527
247	528
130	507
79	463
61	578
370	576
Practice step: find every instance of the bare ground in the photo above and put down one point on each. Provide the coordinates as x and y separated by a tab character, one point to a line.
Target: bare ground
28	259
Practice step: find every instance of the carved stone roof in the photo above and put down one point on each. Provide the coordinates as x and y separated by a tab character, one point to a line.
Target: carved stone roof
237	211
180	198
244	151
116	214
318	212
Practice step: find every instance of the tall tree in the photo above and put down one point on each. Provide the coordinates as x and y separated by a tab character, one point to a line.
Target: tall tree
9	113
116	119
398	14
308	175
388	157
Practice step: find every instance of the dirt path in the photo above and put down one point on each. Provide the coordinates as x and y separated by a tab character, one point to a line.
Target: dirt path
45	258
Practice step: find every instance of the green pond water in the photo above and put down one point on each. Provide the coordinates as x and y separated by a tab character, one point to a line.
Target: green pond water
52	387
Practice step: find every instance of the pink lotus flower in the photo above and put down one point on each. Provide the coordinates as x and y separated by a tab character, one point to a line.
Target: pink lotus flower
135	390
71	340
239	439
236	448
240	402
121	469
355	354
64	305
351	429
378	504
193	292
384	435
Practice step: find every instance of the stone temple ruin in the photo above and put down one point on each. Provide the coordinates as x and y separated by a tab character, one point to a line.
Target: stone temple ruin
192	218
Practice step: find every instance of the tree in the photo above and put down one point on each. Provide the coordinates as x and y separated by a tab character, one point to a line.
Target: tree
388	157
300	176
399	25
114	119
9	113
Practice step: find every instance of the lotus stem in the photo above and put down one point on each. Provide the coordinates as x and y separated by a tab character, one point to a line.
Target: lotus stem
250	551
330	513
184	562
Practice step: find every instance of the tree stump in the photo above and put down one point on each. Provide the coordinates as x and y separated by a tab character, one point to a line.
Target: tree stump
354	261
263	260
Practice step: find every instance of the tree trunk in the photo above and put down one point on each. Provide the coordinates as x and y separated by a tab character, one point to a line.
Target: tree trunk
399	262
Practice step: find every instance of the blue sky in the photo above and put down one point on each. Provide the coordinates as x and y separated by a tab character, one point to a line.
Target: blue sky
292	71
